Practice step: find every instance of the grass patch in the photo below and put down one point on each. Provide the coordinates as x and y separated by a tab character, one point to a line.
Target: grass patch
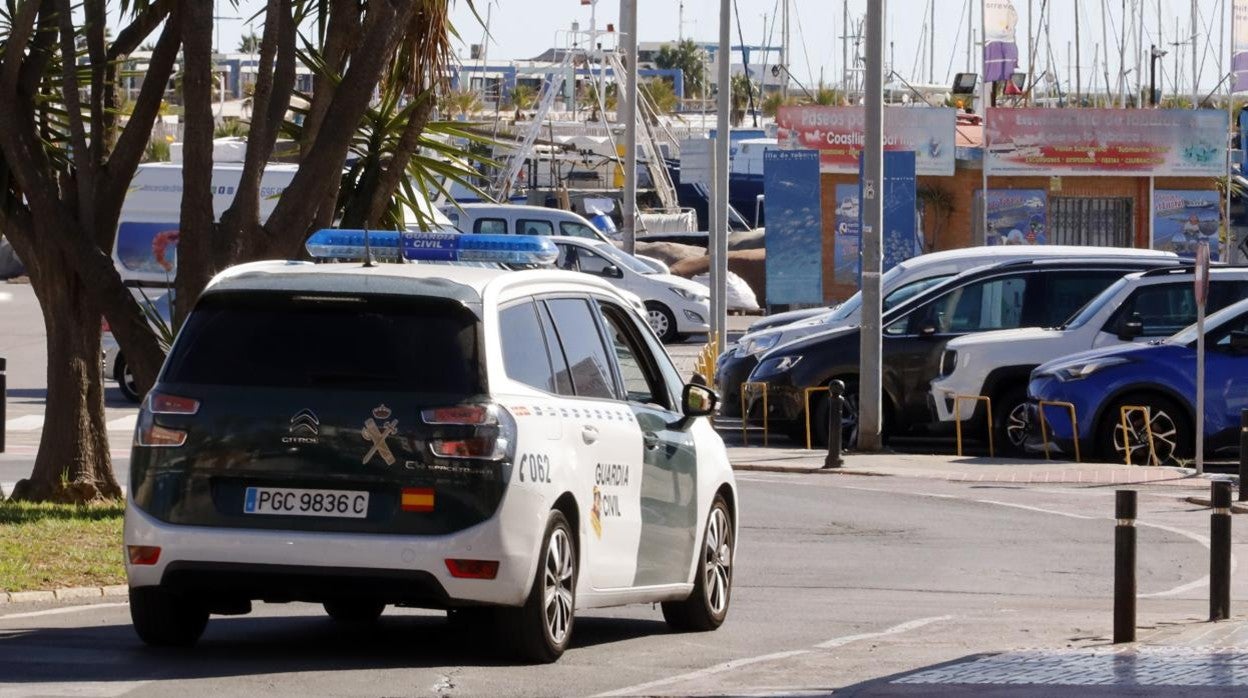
51	546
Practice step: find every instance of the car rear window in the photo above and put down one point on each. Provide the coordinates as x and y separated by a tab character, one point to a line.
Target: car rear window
287	340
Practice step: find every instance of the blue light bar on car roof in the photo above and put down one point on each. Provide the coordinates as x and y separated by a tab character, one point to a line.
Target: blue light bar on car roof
333	243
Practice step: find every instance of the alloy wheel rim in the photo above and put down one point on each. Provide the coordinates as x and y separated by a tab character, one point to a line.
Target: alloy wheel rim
658	322
557	581
127	377
717	561
1165	437
849	420
1017	424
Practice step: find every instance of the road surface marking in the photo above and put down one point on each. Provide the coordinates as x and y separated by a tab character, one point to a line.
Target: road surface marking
123	423
61	611
5	296
1035	509
895	630
85	689
645	688
1183	588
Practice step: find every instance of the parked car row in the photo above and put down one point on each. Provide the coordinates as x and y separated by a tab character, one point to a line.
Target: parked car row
983	330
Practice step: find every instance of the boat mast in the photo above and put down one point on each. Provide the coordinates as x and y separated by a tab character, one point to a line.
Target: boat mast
1195	67
1078	73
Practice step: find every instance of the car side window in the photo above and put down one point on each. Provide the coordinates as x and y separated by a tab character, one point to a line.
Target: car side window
558	360
578	230
1066	292
592	263
1221	340
643	382
526	356
993	304
490	226
567	258
1163	309
529	226
582	344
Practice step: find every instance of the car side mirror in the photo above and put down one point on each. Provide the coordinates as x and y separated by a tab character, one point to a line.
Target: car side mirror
695	401
612	272
927	331
1239	342
1131	328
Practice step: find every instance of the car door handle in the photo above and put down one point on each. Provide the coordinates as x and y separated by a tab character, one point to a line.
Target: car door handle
651	440
589	434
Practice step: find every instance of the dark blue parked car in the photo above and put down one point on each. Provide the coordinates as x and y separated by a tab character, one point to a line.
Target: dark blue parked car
1161	376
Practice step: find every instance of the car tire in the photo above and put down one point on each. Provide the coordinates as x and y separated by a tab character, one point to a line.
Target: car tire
662	321
540	630
1172	437
1010	421
707	606
164	619
354	611
125	380
849	418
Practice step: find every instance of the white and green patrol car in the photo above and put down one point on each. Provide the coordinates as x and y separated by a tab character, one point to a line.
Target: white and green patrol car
507	445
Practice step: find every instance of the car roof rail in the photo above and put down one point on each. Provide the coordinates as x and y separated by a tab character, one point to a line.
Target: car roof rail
1166	271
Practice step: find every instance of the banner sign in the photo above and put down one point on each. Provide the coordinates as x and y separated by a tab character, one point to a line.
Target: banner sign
901	240
839	132
794	239
1239	44
847	258
1182	219
1141	142
1016	217
148	247
1000	51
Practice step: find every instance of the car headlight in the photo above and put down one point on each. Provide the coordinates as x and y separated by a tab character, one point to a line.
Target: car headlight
948	362
759	344
692	296
779	364
1083	369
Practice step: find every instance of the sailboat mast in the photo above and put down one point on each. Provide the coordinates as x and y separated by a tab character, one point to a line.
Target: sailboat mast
1105	42
784	48
1078	74
1195	66
931	44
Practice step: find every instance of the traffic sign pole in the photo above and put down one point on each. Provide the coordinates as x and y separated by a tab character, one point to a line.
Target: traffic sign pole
1202	295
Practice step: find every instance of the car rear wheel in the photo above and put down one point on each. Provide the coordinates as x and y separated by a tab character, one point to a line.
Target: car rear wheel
1172	439
541	629
661	321
125	379
164	619
707	607
820	405
354	610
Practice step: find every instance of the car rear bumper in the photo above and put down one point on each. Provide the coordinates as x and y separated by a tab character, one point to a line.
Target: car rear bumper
252	564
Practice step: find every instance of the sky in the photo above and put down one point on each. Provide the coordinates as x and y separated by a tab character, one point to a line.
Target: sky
525	28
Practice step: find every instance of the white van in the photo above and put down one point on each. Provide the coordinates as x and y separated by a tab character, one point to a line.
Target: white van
145	250
511	219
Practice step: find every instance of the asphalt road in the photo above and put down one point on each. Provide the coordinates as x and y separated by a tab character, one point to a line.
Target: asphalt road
842	583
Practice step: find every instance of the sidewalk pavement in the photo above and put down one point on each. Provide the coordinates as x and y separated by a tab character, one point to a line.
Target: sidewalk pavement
968	468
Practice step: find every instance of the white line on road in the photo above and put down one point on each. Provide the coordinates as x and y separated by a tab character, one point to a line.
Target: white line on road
645	688
61	611
895	630
29	422
5	296
79	689
1035	509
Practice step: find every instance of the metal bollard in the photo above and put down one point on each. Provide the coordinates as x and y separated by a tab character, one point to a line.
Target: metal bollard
836	409
1124	566
1243	456
4	393
1220	551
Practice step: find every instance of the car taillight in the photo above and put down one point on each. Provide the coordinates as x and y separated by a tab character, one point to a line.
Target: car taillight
160	403
473	569
143	554
482	431
104	326
149	434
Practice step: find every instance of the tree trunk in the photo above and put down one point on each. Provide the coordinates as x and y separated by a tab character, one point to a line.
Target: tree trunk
73	464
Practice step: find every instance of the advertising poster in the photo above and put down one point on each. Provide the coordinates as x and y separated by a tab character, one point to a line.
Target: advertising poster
1181	219
1000	51
1141	142
148	247
1016	217
901	240
838	134
848	263
794	237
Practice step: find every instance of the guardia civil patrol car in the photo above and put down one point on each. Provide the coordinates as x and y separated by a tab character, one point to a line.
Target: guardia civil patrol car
512	446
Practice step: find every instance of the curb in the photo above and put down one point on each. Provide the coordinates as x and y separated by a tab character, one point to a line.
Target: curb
799	470
66	594
1236	507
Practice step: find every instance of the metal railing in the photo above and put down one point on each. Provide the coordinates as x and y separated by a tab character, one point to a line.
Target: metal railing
806	398
1074	425
747	390
1125	412
957	419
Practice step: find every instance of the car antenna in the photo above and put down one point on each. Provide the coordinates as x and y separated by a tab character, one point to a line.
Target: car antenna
368	251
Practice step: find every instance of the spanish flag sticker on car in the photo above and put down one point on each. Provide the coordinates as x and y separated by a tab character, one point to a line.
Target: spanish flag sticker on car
417	499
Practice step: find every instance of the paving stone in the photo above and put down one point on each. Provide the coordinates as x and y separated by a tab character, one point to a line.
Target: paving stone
1133	666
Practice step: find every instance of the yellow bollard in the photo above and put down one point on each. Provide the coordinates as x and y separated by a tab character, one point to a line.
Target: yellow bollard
806	396
957	419
1148	429
749	387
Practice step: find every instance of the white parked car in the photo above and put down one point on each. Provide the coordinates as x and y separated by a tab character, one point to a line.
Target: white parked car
512	446
676	306
1142	306
115	366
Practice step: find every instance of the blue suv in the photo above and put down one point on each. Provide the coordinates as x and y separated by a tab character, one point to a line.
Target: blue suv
1160	376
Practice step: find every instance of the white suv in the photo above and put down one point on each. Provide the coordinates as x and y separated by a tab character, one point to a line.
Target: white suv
1145	305
512	446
